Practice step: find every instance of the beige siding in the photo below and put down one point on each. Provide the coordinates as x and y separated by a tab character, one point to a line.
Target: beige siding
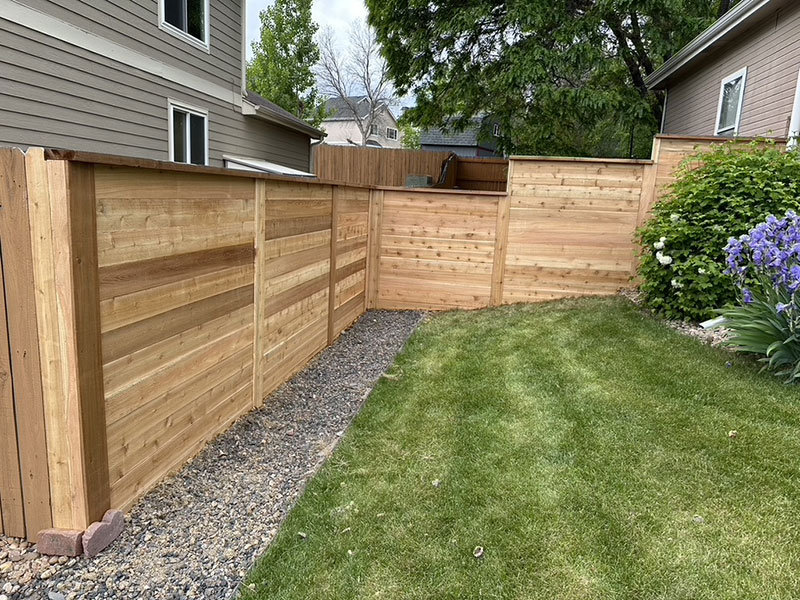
771	53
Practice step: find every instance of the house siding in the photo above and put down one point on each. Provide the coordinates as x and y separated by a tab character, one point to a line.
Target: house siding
341	132
59	95
771	53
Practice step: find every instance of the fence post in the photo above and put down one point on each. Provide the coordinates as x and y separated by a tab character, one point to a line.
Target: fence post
259	280
64	242
20	302
374	247
332	265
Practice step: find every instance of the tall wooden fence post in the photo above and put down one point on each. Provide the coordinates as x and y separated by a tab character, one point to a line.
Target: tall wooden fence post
332	265
64	242
374	247
258	299
23	342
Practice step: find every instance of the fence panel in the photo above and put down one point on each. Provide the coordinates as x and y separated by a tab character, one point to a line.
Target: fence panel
355	165
489	174
437	249
176	271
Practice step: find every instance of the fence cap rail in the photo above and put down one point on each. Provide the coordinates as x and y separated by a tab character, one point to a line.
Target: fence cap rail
148	163
428	190
712	138
623	161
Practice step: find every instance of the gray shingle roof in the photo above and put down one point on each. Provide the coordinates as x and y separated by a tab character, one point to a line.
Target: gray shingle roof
468	137
340	110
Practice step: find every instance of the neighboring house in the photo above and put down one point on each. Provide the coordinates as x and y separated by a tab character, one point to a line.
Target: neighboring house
157	79
479	139
341	127
739	77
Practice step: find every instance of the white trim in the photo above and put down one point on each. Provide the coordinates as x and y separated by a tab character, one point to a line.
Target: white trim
741	73
244	49
396	133
71	34
204	45
794	123
728	23
664	111
192	110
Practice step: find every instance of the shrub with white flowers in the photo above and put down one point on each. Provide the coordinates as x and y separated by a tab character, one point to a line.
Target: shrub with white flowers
718	193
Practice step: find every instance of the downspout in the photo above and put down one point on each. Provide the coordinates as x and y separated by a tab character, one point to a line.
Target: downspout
794	123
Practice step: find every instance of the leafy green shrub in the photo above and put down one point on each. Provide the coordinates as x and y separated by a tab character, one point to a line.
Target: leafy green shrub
721	192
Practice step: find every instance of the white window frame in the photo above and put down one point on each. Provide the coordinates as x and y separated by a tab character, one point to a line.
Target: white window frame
732	77
389	137
373	129
496	130
192	110
204	45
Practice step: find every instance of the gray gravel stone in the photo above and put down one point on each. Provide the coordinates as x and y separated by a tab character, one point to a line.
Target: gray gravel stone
198	533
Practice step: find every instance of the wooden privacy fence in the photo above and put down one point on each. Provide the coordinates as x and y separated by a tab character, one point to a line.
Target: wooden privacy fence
148	305
386	167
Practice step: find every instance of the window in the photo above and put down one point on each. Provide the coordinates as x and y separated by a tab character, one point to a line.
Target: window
496	130
731	95
373	129
188	134
391	133
187	19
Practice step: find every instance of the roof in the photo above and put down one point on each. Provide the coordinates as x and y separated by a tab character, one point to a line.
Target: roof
741	17
339	109
269	111
243	163
468	137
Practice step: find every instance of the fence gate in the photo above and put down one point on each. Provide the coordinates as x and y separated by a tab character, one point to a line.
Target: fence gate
24	482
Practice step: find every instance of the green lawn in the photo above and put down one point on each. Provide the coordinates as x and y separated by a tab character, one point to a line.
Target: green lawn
582	444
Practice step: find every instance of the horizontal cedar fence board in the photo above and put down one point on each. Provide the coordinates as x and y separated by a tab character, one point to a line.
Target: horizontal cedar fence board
177	264
375	166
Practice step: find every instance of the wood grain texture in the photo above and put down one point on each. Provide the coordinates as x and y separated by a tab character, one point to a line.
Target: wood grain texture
375	166
20	301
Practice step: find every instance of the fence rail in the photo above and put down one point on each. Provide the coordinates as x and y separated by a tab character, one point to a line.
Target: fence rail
149	305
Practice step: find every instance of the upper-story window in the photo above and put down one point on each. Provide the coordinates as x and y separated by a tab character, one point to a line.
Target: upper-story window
496	130
731	96
187	19
188	134
391	133
373	129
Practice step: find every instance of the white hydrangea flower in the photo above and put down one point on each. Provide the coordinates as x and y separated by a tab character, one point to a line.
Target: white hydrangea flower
701	270
674	217
676	284
663	258
658	245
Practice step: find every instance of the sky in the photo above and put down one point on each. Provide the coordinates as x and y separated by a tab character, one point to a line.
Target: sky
336	13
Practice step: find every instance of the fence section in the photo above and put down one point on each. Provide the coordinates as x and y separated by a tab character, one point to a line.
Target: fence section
436	249
488	174
176	277
356	165
571	227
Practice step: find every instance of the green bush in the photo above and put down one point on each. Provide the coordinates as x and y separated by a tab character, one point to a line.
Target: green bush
721	192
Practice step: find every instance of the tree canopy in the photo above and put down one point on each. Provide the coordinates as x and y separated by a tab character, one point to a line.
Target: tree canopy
284	55
561	76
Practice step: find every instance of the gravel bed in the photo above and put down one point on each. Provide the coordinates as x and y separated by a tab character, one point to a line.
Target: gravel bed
715	337
198	533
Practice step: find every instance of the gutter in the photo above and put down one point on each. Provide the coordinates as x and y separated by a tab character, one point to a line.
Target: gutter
727	24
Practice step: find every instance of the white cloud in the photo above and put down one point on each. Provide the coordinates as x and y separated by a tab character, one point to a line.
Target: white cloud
338	14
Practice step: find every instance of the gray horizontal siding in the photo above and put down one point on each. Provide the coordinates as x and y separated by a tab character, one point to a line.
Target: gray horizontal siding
54	94
135	25
771	53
